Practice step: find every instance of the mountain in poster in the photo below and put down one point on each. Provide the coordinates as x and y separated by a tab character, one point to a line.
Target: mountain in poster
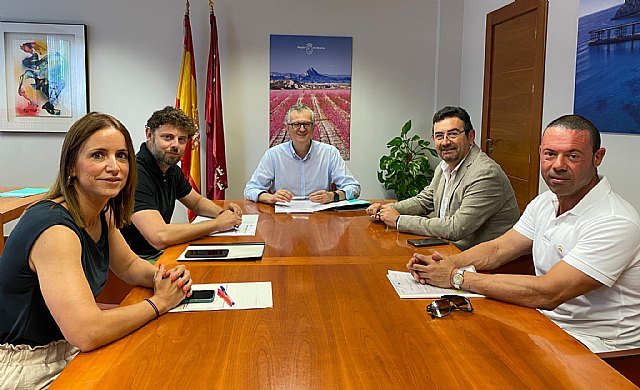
305	80
629	8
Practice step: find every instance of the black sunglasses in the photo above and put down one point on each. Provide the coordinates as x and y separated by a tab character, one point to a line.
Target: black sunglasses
442	307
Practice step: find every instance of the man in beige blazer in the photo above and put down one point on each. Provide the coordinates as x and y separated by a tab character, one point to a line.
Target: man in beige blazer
469	200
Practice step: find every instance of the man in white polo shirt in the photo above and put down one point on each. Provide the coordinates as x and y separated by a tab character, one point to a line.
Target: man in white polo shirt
585	241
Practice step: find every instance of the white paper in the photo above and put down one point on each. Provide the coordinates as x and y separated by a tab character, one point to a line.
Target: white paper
307	206
297	206
247	228
252	295
407	287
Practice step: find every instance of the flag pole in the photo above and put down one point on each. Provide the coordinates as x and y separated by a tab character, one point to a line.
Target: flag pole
187	101
216	168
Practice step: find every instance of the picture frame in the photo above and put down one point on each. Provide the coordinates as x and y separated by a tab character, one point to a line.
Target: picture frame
314	70
43	76
606	80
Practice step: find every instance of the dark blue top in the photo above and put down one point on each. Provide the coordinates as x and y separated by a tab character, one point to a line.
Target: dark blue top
24	316
155	190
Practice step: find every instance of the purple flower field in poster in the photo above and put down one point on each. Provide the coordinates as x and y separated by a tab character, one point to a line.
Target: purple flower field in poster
315	71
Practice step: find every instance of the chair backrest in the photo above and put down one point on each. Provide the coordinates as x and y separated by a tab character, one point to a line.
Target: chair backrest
115	290
523	265
626	362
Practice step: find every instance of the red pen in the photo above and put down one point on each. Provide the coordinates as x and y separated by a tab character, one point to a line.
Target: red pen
222	293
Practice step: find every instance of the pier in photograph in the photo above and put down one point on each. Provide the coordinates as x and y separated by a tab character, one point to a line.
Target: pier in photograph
620	33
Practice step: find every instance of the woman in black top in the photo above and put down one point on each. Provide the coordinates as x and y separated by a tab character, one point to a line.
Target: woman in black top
57	258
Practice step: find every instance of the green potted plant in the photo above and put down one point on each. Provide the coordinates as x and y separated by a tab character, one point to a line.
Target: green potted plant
406	169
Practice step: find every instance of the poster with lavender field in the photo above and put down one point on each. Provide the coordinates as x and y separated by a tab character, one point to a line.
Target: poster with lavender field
607	88
314	70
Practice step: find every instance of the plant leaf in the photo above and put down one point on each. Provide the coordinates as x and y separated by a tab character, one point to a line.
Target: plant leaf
406	127
397	141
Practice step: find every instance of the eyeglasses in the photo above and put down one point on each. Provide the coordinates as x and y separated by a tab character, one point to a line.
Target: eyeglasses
442	307
306	125
451	134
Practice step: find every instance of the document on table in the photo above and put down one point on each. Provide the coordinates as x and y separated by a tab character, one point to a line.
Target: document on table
252	295
247	228
307	206
407	287
23	192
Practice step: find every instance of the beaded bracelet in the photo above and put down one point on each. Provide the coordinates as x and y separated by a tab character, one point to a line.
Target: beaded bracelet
155	308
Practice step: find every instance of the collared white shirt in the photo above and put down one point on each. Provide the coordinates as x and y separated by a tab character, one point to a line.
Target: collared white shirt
449	176
600	237
282	168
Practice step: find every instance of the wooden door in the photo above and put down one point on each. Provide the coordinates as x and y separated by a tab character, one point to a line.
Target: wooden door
513	92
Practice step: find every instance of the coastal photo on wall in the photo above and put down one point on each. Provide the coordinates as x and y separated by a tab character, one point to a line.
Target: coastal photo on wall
607	89
314	70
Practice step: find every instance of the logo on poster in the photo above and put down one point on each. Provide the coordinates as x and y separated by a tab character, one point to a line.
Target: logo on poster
309	48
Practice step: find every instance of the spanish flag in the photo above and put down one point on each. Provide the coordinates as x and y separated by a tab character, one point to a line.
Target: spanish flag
187	101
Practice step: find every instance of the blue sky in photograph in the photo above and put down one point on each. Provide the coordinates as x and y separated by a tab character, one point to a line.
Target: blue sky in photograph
328	55
588	7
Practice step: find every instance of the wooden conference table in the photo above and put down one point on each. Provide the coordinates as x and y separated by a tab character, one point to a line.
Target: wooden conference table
336	323
12	208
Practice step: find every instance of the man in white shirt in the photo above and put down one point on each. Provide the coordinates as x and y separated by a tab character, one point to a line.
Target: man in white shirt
585	241
301	167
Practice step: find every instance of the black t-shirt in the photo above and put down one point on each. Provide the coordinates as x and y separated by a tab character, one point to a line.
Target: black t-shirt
24	316
156	190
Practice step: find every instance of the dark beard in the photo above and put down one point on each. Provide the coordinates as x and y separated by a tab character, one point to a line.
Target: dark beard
450	158
163	159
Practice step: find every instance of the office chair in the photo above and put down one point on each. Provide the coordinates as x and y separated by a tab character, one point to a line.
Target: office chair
626	363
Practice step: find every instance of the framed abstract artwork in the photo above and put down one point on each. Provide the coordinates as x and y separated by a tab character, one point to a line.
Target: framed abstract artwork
43	76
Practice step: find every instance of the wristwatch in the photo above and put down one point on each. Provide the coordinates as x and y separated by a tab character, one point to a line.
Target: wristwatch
336	196
458	278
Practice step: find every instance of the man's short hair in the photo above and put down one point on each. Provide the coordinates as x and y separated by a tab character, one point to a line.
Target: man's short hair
298	107
577	122
174	117
453	112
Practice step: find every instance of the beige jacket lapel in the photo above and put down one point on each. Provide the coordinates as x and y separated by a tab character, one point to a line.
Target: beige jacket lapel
464	168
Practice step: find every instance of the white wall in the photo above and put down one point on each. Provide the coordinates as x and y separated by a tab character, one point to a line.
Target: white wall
448	52
134	50
622	156
406	64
